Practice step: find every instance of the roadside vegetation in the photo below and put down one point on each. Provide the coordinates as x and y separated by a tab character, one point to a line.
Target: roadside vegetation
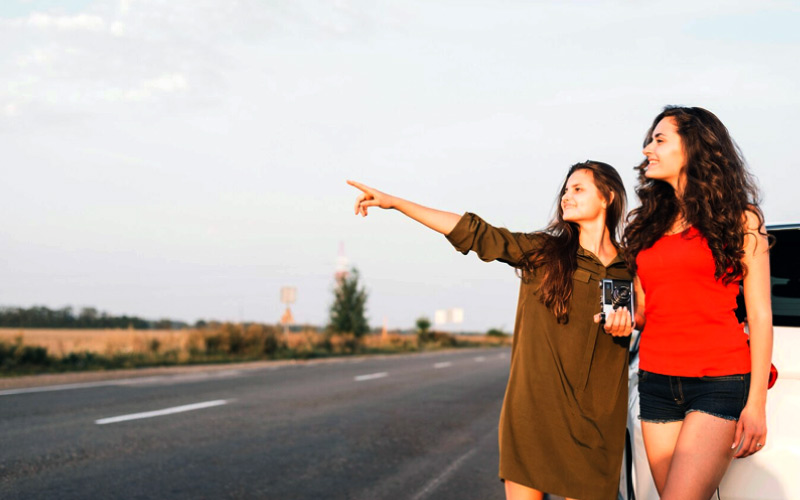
40	340
32	351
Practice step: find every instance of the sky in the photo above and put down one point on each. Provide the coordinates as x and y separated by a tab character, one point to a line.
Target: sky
187	159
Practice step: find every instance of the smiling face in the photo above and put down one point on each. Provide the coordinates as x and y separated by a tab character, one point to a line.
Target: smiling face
665	154
581	200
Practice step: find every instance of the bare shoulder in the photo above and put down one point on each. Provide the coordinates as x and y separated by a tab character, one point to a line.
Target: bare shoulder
754	221
755	231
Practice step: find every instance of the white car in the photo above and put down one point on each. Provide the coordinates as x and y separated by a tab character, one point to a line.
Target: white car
774	472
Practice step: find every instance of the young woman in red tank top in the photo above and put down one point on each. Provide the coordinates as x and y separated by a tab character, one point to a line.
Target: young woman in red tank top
697	234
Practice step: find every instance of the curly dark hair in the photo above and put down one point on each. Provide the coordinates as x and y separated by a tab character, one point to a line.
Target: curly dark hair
557	258
718	192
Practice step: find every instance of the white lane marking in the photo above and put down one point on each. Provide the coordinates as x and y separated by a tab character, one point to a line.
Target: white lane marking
480	359
124	381
443	364
371	376
184	377
433	484
62	387
159	413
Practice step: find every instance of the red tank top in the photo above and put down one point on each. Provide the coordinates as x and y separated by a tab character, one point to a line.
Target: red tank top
691	328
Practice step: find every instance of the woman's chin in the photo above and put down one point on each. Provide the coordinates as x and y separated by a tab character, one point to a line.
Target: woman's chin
652	174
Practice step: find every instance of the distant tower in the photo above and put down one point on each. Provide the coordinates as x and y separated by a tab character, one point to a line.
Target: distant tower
341	264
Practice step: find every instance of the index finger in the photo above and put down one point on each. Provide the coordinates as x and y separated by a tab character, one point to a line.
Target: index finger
360	186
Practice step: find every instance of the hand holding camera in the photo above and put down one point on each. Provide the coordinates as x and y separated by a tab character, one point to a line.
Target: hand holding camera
617	302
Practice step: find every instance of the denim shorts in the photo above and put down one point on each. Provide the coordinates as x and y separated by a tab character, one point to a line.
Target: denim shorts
665	398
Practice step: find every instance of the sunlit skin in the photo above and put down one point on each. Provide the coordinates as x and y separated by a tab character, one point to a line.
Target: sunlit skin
585	205
665	155
581	203
666	160
689	458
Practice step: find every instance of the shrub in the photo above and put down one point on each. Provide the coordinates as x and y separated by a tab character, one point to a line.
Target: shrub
494	332
434	338
14	357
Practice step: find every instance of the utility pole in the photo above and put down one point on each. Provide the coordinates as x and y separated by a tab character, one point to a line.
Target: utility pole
288	296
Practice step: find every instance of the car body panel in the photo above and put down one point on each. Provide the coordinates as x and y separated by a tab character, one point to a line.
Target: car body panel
774	472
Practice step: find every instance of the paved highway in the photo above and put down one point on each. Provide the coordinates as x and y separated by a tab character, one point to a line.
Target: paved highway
420	426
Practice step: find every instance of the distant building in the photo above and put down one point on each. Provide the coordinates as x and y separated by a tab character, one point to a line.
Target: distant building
448	317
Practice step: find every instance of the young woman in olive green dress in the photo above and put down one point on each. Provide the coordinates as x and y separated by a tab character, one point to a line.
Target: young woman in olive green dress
562	424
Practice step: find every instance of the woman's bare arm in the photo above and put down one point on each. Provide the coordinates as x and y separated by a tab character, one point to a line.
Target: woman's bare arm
751	429
438	220
638	314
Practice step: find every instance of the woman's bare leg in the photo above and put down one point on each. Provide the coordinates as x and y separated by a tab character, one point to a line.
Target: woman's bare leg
515	491
702	455
659	443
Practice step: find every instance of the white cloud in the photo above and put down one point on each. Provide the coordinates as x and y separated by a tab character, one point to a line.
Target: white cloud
164	84
86	22
134	95
117	28
167	83
37	57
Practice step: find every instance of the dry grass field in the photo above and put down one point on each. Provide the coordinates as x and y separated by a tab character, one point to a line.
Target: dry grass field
60	342
65	341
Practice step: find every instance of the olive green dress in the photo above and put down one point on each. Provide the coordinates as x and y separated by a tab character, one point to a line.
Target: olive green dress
562	426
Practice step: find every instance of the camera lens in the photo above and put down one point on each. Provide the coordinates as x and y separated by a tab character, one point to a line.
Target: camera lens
621	296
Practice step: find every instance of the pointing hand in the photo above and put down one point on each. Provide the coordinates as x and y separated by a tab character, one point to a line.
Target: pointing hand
370	197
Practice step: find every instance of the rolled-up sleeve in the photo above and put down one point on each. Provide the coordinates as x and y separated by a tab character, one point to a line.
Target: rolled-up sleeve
491	243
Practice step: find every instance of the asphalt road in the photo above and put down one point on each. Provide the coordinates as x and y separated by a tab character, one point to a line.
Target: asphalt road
415	427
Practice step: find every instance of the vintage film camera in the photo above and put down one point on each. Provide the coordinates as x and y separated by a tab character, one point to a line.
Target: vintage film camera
615	294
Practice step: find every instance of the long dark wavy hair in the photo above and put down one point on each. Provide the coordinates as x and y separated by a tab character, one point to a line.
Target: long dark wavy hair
719	190
557	258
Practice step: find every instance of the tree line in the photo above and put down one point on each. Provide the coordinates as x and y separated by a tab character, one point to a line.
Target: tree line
87	317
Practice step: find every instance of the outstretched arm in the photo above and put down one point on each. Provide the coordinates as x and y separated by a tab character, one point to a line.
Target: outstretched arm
438	220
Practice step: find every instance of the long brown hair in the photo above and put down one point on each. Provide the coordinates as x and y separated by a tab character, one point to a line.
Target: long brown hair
557	258
719	190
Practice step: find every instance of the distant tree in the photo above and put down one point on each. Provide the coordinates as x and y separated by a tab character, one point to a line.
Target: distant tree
423	325
349	306
163	324
424	334
89	317
88	314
